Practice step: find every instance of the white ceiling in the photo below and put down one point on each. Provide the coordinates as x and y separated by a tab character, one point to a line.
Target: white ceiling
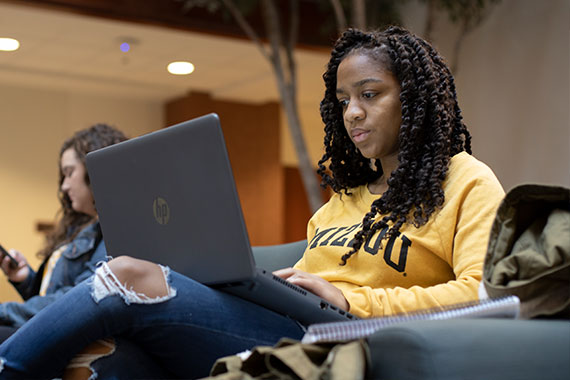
81	53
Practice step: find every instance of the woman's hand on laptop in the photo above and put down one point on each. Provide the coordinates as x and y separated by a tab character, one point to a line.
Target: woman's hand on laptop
314	284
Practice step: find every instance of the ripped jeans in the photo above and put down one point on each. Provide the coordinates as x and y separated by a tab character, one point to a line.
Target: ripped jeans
185	331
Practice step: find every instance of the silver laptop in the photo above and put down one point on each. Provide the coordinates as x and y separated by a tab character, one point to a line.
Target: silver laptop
170	197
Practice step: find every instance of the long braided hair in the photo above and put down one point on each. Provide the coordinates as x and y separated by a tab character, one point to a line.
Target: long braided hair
70	221
431	131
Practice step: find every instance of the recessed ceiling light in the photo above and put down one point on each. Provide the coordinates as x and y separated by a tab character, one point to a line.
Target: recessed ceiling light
127	43
9	44
180	68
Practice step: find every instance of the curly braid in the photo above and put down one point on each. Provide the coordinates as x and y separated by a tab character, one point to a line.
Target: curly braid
70	221
431	131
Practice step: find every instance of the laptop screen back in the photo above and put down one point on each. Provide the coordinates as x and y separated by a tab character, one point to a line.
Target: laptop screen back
169	197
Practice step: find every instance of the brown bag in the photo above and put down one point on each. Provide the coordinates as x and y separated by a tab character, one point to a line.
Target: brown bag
289	359
529	251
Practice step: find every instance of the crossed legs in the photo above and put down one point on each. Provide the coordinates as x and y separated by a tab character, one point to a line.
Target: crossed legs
182	324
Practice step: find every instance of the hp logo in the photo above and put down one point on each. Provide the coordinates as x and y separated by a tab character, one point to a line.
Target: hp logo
161	210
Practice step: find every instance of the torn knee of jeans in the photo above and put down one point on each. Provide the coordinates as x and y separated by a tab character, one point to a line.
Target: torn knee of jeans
106	284
80	367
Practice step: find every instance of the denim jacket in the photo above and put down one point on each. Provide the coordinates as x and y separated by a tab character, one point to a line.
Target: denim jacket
77	262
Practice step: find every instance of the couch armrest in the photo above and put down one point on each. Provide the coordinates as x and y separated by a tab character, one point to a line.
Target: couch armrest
273	257
490	349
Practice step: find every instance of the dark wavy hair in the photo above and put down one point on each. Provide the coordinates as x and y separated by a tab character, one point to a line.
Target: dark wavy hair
431	131
70	222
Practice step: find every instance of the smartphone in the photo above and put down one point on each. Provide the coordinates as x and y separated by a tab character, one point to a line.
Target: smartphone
13	261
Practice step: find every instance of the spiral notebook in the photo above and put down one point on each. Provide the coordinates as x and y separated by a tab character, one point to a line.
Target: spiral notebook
503	307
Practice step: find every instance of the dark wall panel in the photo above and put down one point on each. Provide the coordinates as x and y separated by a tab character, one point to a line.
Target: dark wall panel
252	138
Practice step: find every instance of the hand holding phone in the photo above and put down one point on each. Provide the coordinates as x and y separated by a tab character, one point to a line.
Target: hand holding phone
13	262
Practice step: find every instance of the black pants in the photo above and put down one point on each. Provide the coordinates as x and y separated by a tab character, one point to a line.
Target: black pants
5	332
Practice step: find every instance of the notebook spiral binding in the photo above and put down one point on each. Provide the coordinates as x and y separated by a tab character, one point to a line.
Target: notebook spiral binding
503	307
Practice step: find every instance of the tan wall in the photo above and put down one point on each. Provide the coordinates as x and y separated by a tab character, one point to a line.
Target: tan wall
513	87
33	124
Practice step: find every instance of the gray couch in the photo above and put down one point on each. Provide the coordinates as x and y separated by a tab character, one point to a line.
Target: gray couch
467	349
486	349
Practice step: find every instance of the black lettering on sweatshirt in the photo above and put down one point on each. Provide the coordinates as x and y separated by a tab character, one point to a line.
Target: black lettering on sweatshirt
318	236
343	238
372	249
400	266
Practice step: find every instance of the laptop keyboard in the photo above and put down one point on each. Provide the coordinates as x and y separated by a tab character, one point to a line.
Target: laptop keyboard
292	286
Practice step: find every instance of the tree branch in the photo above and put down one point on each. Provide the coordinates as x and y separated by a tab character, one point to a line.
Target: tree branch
359	14
287	89
273	27
290	48
471	14
242	22
339	15
430	19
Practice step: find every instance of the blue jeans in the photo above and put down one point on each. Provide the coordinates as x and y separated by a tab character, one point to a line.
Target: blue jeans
185	333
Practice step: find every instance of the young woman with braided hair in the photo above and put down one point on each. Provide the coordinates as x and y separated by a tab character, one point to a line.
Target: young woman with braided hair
410	201
407	227
432	114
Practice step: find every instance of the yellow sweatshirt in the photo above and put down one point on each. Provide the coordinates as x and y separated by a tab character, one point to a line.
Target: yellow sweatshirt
439	263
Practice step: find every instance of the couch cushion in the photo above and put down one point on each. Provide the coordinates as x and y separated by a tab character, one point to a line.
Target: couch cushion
273	257
487	349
